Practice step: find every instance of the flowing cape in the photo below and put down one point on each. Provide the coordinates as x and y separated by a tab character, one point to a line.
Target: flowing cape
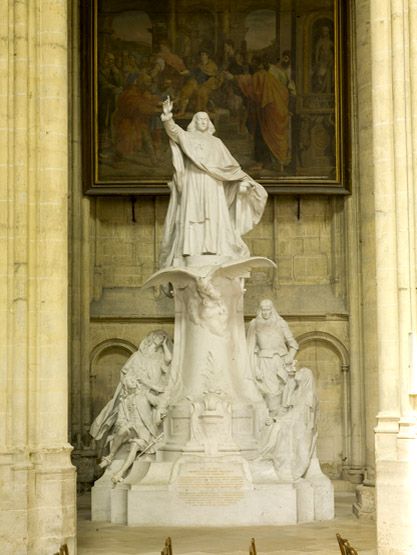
245	210
270	100
107	417
251	346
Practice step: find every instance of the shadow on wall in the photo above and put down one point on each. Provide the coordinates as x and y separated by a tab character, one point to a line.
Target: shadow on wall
328	359
107	359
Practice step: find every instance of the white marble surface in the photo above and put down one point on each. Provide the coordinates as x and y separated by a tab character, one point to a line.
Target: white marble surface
215	491
225	458
213	201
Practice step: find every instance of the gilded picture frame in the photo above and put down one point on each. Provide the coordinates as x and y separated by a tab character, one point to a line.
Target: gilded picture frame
271	74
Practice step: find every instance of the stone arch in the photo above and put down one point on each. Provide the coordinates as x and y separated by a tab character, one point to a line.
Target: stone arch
106	361
333	342
333	387
311	24
107	344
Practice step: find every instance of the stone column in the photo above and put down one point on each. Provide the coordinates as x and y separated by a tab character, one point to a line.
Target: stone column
394	156
37	506
361	239
81	260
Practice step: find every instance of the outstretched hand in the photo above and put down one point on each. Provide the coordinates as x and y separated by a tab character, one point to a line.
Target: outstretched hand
167	106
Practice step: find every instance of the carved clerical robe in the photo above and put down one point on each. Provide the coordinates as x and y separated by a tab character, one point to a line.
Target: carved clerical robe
207	214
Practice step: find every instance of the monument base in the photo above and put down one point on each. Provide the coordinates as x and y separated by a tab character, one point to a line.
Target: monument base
209	491
225	459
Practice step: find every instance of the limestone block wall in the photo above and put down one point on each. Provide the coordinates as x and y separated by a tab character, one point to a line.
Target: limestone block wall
324	355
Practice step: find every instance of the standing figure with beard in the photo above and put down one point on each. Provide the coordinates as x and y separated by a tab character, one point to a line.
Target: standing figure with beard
282	71
136	106
272	349
268	114
110	85
168	66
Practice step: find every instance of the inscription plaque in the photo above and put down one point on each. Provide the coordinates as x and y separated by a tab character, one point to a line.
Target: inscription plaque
211	485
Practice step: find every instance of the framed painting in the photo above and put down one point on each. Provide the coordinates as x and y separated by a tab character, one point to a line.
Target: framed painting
270	74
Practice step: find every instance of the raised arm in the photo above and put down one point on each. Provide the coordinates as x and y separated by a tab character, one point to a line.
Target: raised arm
172	129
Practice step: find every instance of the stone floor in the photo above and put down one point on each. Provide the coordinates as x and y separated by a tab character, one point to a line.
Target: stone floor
318	538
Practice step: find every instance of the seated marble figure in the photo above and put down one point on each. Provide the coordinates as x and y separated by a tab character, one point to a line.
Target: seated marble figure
134	414
290	438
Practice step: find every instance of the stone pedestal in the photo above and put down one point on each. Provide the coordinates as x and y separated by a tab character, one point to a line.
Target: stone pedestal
364	506
202	491
210	491
209	471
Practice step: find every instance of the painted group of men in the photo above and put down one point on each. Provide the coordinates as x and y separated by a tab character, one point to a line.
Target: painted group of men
254	92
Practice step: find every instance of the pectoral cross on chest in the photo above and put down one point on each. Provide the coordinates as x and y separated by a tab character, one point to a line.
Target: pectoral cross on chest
200	147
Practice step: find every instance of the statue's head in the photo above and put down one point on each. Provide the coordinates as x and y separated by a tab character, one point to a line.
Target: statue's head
158	337
153	341
305	378
265	308
202	123
267	313
130	383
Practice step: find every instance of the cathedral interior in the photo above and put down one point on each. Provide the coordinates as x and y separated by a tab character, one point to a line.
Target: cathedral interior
83	199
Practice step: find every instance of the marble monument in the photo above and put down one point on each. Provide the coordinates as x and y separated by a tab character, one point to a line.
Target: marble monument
214	428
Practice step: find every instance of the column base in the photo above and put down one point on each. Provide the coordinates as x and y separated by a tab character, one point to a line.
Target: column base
38	506
364	506
396	485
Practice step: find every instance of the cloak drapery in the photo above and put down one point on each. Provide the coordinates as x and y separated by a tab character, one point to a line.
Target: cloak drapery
207	214
145	369
269	98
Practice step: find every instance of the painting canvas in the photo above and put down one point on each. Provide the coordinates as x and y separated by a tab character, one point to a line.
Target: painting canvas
267	73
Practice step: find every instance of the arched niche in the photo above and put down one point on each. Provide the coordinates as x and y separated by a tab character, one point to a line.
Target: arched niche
106	361
328	358
314	25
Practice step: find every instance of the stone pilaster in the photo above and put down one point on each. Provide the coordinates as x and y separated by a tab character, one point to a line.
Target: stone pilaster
392	24
360	233
37	505
80	258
